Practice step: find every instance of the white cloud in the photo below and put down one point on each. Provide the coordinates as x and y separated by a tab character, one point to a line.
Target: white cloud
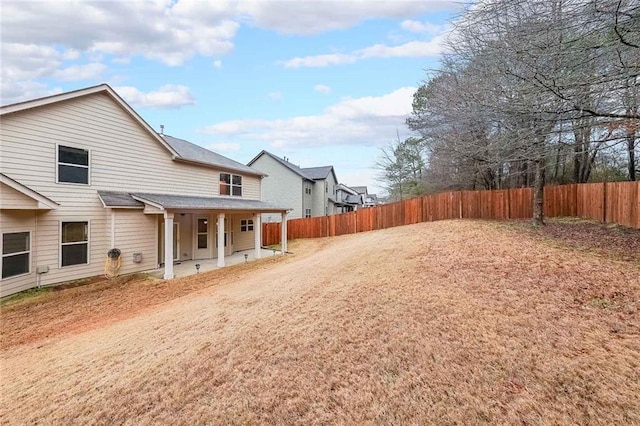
39	39
367	121
275	96
320	61
321	88
160	30
167	96
224	147
420	27
17	91
89	71
312	17
413	49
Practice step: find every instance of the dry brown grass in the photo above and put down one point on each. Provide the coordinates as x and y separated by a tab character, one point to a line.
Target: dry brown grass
447	322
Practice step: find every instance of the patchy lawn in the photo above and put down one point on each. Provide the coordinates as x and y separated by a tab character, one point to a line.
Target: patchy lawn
446	322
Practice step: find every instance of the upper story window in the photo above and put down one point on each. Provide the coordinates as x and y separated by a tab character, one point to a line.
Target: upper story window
307	190
230	184
73	165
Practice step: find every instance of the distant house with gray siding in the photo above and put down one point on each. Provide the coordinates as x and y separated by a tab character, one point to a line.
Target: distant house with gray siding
311	191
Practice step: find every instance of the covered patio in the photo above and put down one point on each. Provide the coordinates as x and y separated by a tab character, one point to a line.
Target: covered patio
200	230
188	267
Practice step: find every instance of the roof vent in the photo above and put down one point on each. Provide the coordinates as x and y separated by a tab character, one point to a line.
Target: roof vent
162	129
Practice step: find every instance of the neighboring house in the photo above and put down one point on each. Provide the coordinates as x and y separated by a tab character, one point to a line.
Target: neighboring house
368	200
311	192
83	173
347	199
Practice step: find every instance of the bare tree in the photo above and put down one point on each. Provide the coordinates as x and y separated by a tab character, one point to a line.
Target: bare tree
528	85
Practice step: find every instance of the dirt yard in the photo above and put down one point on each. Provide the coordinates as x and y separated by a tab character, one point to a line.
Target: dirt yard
456	322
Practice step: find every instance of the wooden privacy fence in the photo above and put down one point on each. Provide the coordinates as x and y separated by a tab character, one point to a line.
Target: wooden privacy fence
615	202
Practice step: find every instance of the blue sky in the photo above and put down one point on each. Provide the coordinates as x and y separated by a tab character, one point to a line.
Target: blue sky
320	82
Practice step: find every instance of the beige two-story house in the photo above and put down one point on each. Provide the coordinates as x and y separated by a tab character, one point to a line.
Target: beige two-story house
311	191
82	173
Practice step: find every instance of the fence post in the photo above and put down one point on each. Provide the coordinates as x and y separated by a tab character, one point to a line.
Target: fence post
604	202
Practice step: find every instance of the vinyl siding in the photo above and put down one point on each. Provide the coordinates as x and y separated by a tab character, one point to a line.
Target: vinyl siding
242	240
135	233
123	157
332	193
12	199
319	198
307	199
281	187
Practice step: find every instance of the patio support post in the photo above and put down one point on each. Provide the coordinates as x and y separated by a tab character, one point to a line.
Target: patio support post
220	240
257	232
283	238
168	245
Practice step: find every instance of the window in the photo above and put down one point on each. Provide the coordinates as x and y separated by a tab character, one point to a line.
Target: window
203	233
16	254
307	190
246	225
230	184
75	243
73	165
307	212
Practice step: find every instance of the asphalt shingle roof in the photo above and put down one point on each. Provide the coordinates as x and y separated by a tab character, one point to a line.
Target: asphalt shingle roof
118	199
172	201
192	152
317	172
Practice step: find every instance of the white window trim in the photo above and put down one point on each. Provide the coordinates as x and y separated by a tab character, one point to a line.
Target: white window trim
231	185
30	251
198	233
246	225
60	242
58	145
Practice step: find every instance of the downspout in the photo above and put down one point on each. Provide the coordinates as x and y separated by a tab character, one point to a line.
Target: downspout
113	228
35	248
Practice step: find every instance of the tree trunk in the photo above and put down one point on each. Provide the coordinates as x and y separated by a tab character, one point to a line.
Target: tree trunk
538	192
631	146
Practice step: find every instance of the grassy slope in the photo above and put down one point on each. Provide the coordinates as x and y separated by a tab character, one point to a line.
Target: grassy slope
447	322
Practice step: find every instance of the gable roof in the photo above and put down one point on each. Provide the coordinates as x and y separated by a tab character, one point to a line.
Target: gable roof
295	169
318	172
360	189
347	189
101	88
308	173
181	150
44	203
193	153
